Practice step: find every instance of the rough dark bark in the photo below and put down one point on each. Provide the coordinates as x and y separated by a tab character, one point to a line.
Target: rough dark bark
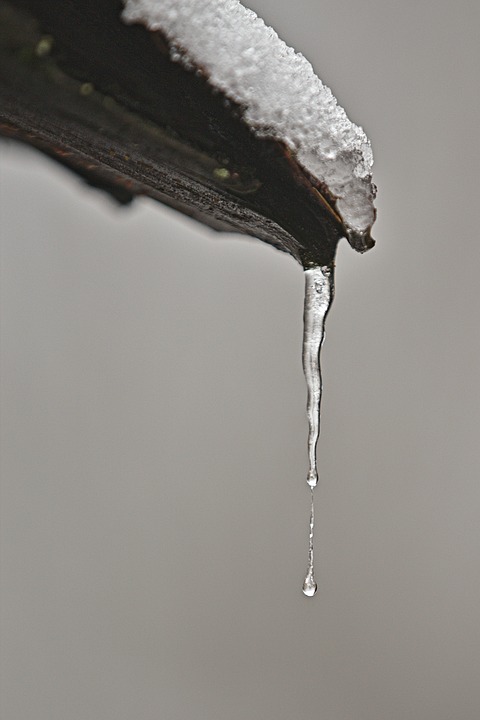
104	99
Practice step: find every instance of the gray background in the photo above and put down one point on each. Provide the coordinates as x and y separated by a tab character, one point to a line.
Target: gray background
154	504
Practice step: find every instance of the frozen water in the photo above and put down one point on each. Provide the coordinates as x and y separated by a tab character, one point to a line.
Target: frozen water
309	587
277	88
319	290
281	97
318	298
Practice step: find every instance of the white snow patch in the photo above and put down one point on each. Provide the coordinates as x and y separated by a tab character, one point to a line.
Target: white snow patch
280	94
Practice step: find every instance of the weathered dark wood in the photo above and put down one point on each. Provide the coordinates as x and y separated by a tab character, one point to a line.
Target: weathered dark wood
104	99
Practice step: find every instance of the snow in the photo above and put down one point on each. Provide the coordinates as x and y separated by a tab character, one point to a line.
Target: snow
277	88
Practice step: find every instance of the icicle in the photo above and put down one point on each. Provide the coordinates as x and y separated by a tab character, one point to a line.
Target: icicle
318	299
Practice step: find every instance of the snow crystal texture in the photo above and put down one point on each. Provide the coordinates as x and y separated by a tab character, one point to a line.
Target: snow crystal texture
277	88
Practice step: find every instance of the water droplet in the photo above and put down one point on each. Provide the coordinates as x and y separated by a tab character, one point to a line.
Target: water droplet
312	478
318	299
44	46
309	586
86	89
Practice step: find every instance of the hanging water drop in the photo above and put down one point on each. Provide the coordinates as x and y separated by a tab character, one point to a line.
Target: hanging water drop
318	299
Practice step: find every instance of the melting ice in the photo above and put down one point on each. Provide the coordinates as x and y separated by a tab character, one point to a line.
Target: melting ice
319	290
281	97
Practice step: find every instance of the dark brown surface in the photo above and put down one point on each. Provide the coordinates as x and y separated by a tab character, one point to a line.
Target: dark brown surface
104	99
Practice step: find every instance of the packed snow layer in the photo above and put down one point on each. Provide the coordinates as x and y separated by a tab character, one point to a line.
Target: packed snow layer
277	88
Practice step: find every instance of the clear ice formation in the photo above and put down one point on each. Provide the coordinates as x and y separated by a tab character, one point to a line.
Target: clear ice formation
280	97
309	587
276	87
319	291
318	299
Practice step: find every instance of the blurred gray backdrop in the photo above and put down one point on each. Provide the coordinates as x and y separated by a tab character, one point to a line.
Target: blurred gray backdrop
154	501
